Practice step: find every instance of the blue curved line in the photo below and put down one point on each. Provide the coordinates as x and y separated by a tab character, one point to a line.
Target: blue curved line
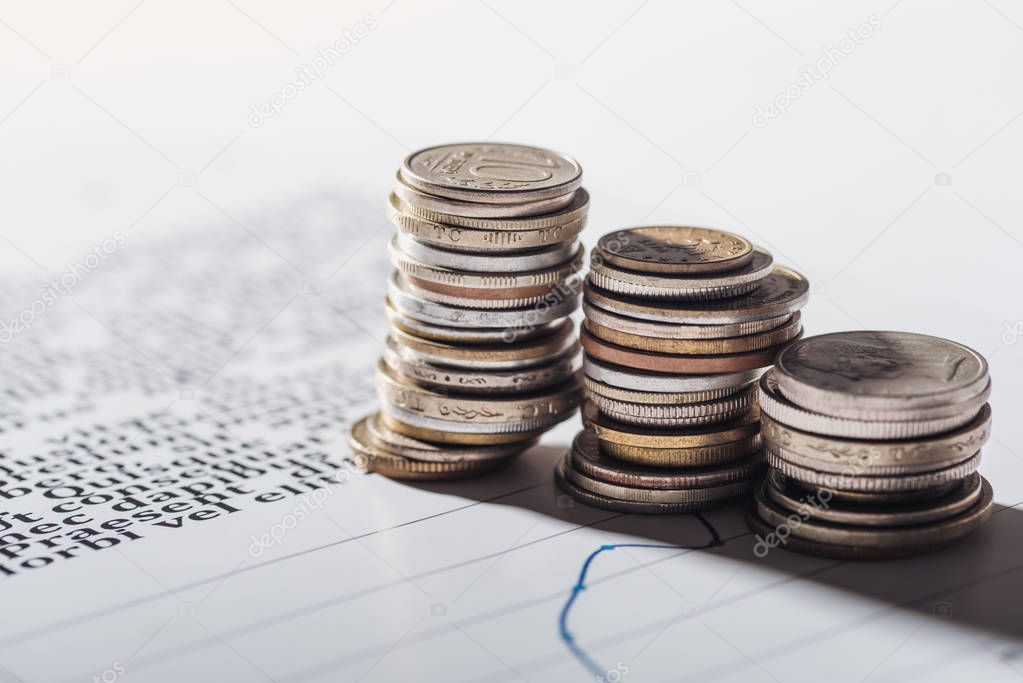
580	585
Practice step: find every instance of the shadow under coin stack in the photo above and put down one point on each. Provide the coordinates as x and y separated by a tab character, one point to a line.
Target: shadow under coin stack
680	323
873	441
481	358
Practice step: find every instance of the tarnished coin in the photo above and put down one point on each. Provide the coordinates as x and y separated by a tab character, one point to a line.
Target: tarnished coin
642	380
671	363
846	371
373	458
492	172
776	406
601	494
372	432
445	432
646	328
614	431
708	286
824	507
829	454
853	480
587	458
680	415
486	412
498	357
456	316
752	342
675	249
457	207
465	335
697	456
782	292
457	238
553	371
892	541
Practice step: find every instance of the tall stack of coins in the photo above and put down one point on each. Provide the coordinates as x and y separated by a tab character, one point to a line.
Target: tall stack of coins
680	323
481	358
873	441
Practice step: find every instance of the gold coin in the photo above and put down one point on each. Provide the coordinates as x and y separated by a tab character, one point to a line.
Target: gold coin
372	432
613	431
753	342
697	456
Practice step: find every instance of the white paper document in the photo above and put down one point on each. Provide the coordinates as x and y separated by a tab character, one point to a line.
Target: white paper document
178	503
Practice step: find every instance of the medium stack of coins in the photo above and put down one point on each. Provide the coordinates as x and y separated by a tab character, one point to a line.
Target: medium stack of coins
680	323
481	358
873	441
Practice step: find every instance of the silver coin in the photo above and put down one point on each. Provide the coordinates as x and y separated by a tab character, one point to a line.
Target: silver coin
830	454
575	212
548	373
782	292
707	286
856	481
489	357
416	420
660	398
457	316
879	370
474	335
679	415
646	328
639	380
412	196
568	287
494	172
545	257
776	406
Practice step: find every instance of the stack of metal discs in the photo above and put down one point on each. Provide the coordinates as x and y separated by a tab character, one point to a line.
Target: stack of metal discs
680	323
873	441
481	358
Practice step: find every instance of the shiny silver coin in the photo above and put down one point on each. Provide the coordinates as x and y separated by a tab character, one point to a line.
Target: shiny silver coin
545	257
444	205
783	292
657	398
640	380
574	212
906	456
843	372
548	373
457	316
646	328
492	172
706	286
453	296
417	420
459	335
486	357
822	506
779	408
680	415
854	480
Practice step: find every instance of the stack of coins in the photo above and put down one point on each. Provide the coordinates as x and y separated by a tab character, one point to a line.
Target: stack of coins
680	323
873	441
481	358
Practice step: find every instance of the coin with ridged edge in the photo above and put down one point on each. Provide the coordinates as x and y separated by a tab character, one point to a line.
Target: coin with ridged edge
491	172
857	481
411	425
461	335
643	380
831	454
712	286
505	356
456	207
647	328
675	249
746	344
697	456
587	458
608	429
371	431
681	415
655	398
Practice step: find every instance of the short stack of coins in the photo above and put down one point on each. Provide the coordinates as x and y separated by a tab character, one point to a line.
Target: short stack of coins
680	323
481	357
873	441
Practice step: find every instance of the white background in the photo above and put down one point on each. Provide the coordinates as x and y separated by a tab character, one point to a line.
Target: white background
893	185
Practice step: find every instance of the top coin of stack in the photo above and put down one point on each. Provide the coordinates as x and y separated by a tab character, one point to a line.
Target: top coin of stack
481	358
680	321
873	439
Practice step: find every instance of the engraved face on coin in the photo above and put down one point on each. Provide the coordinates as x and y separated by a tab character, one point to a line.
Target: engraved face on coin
491	172
880	369
675	249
